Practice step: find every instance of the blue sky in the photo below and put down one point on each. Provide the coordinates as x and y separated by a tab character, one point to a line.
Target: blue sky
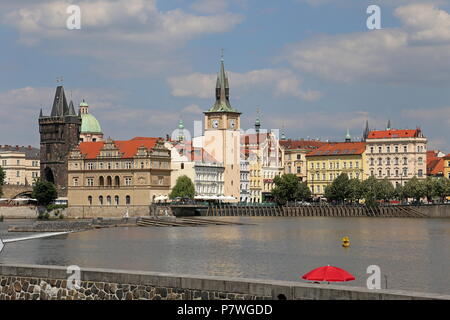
310	65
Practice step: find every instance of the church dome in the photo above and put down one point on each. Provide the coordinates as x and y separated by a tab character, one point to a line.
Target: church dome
89	124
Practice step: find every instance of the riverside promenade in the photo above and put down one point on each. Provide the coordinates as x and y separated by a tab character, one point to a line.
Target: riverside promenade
37	282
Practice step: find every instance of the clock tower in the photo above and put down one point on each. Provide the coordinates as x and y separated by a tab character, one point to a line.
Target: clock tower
222	137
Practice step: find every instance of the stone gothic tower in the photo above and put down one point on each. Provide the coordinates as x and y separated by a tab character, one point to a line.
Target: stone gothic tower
59	133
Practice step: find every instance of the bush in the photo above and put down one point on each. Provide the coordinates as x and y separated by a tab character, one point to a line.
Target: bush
52	207
44	192
43	215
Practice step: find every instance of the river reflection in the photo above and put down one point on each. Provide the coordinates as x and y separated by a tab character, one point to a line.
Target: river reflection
414	254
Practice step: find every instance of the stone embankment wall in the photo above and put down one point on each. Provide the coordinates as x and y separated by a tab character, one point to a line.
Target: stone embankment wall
28	282
87	212
18	212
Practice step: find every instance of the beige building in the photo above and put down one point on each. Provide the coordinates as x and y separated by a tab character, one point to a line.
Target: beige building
397	155
295	152
21	164
205	172
265	157
118	173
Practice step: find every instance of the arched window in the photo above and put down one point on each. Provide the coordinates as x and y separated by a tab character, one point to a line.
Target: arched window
101	182
117	181
116	200
109	181
128	200
182	166
108	200
90	200
100	200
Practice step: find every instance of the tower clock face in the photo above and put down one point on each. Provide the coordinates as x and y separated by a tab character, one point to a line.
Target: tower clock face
232	123
215	123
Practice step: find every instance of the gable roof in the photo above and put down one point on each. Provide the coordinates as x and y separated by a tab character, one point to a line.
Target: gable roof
339	149
302	144
387	134
128	148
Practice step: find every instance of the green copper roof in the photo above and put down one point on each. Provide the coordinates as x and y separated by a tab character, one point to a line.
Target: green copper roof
89	124
222	103
84	104
181	124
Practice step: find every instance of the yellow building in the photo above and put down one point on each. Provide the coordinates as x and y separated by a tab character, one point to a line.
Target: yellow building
256	182
327	162
21	164
295	152
447	166
118	173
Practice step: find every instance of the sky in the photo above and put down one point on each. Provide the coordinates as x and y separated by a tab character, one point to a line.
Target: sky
312	67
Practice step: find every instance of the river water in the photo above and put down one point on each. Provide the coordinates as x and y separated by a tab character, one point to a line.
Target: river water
413	254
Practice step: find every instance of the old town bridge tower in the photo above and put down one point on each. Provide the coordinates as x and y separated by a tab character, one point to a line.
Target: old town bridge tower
60	132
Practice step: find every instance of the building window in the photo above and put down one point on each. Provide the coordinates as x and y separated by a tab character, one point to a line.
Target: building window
128	200
100	165
100	200
182	166
420	173
90	200
17	174
420	160
90	166
3	162
90	182
75	182
371	149
371	161
128	165
108	200
388	149
299	170
379	149
405	148
116	200
101	182
396	161
380	161
396	149
128	181
405	161
379	173
388	161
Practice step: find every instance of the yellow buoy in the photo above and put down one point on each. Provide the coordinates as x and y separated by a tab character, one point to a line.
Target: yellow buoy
346	242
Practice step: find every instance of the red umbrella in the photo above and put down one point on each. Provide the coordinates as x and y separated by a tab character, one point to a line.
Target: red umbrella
328	273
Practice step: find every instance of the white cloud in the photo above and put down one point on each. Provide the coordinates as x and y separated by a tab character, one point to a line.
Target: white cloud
282	82
135	32
210	6
399	55
193	108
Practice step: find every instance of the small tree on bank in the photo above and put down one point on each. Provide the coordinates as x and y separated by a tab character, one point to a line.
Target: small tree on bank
44	192
184	188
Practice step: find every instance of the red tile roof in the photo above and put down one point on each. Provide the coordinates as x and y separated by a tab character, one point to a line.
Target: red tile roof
435	166
339	149
302	144
128	148
386	134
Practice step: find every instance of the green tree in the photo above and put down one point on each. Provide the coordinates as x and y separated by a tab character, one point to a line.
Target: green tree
184	188
44	192
339	189
303	191
442	188
371	191
429	187
355	190
2	180
399	192
414	189
286	188
386	190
